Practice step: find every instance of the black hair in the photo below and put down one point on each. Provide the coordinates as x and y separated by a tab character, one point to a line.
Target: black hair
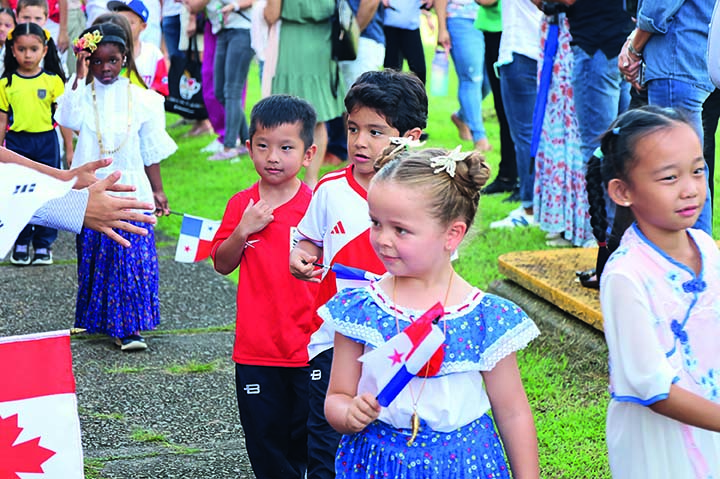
277	110
32	3
114	34
122	22
52	58
617	156
9	11
399	97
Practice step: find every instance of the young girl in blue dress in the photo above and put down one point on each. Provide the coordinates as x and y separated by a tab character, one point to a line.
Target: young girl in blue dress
117	287
28	92
421	205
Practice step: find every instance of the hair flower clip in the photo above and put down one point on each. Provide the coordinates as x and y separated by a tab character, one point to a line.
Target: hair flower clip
448	162
9	35
88	42
404	143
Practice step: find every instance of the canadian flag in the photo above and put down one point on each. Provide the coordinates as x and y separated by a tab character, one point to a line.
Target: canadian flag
39	425
195	241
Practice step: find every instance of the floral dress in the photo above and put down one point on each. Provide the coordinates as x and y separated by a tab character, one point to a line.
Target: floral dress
457	437
560	200
662	327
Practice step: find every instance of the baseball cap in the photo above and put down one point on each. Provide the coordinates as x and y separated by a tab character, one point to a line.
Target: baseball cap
135	6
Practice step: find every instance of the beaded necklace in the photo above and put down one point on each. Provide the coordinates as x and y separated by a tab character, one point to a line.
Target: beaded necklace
103	152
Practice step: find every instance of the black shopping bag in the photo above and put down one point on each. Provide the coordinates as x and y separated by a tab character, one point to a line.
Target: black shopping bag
185	84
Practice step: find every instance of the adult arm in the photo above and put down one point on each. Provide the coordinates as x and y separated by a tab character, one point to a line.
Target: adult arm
196	6
95	209
443	34
366	12
513	417
63	41
272	12
345	411
302	257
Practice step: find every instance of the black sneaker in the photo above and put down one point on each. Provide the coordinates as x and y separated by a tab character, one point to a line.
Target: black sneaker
42	256
514	196
134	342
20	255
500	185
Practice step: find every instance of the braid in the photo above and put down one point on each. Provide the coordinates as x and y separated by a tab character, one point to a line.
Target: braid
596	199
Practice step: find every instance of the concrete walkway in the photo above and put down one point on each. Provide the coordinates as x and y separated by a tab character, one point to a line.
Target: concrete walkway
168	412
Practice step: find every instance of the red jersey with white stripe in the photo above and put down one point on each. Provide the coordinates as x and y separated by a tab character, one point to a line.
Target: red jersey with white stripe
337	221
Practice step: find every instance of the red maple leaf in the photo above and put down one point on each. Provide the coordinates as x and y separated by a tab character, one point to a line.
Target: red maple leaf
27	456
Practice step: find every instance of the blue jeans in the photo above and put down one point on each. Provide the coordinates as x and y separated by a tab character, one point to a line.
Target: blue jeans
688	98
232	62
468	54
518	84
171	33
600	95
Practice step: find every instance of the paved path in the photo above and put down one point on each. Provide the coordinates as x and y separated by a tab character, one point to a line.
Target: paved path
168	412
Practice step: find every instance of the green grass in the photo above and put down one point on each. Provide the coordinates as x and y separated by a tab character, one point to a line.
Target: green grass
566	386
193	367
148	435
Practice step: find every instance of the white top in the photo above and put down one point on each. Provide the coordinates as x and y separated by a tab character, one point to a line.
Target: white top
520	30
147	62
662	328
147	143
170	8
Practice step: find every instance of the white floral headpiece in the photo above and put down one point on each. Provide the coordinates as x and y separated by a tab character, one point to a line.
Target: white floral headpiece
448	162
404	142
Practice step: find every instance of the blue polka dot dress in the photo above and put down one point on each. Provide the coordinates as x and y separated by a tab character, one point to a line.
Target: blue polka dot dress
457	437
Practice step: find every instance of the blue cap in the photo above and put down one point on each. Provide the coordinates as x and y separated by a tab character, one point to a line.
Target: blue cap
135	6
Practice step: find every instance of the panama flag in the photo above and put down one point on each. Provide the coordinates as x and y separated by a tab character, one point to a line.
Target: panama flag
349	277
417	349
39	425
196	235
22	192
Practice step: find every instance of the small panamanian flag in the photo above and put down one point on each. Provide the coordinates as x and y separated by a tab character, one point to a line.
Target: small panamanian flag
196	235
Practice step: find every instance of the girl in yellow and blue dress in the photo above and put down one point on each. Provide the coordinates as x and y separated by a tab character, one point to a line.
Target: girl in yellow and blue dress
421	205
32	82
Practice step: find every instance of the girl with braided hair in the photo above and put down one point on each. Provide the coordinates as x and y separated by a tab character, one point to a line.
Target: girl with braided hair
658	294
421	204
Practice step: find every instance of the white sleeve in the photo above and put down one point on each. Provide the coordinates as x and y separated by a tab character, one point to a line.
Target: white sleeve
313	225
70	110
155	143
639	369
65	213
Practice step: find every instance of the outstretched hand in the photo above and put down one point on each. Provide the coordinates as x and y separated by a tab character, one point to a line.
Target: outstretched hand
105	212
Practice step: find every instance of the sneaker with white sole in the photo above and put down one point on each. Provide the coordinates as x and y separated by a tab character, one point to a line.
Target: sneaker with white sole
134	342
42	256
213	147
20	255
516	219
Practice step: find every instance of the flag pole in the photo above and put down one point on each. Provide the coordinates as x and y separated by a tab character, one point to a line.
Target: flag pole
176	213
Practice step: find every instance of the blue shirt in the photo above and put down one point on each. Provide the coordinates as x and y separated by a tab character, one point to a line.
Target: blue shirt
404	14
374	29
680	35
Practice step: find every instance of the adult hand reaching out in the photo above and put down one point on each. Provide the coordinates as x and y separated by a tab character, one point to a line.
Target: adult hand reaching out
105	212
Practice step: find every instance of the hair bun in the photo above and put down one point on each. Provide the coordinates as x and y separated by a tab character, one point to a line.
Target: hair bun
472	173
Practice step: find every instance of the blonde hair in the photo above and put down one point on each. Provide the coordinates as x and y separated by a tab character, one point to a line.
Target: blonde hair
452	195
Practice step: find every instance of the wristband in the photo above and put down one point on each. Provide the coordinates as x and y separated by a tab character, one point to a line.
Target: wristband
632	51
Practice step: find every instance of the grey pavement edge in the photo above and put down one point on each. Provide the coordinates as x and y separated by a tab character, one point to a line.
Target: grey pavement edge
168	412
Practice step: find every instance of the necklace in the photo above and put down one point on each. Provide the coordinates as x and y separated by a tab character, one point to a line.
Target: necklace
103	152
415	419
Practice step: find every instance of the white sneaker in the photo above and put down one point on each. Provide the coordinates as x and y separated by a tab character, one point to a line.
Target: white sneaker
213	147
516	219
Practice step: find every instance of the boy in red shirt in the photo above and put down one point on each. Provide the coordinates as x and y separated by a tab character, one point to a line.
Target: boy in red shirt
336	228
274	309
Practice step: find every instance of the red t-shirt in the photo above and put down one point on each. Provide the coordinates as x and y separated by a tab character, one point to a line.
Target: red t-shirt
274	309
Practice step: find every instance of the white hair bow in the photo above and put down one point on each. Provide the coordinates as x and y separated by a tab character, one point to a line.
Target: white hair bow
448	162
404	142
